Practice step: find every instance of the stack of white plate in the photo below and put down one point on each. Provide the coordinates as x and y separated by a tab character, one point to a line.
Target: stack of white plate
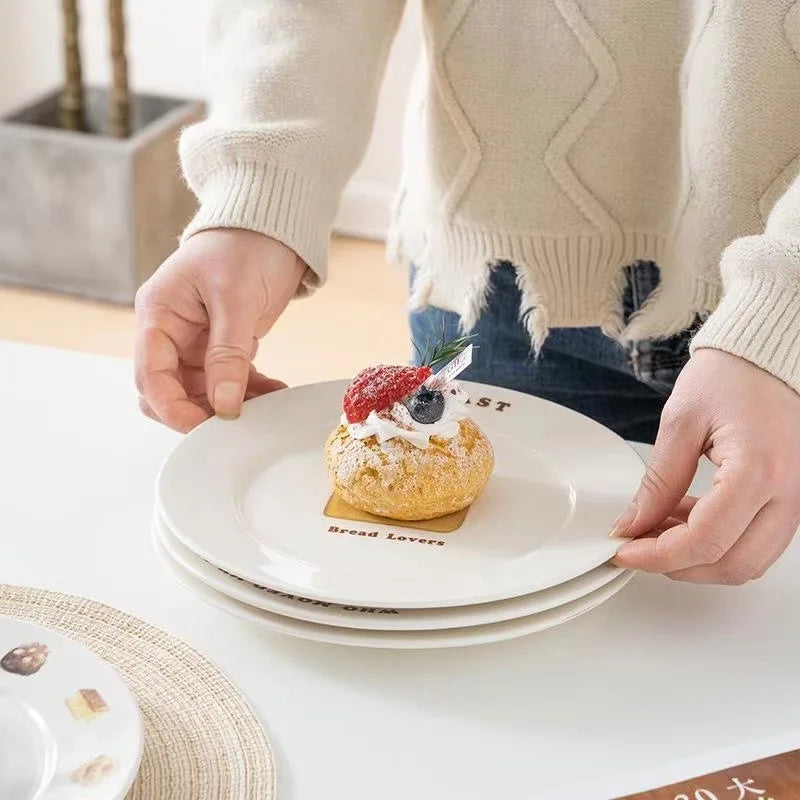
240	522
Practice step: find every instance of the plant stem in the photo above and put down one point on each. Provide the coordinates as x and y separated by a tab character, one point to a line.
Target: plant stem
71	100
119	105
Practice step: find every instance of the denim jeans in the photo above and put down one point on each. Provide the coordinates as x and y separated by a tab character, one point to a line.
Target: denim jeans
623	388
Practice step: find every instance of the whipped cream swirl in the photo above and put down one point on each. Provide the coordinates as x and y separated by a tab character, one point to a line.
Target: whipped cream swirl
397	422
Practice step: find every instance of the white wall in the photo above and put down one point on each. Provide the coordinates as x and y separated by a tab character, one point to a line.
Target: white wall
29	50
165	52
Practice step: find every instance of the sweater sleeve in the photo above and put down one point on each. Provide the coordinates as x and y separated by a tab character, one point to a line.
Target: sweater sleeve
293	90
758	317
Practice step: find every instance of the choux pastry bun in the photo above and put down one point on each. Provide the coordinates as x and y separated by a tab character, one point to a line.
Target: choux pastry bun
406	448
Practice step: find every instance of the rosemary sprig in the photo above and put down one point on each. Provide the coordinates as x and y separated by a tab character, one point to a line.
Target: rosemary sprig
441	350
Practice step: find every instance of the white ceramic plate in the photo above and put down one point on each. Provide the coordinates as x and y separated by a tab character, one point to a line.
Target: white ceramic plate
69	727
248	496
348	616
398	640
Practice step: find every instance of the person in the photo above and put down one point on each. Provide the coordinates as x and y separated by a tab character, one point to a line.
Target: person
607	193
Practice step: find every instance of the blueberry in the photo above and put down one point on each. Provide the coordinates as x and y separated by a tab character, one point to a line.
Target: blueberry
426	406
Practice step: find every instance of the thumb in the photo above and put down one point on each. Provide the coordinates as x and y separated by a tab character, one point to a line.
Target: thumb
227	361
669	474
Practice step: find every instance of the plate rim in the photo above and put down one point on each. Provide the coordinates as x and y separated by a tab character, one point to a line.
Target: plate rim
390	640
165	537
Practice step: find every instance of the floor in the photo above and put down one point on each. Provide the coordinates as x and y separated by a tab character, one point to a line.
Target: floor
357	319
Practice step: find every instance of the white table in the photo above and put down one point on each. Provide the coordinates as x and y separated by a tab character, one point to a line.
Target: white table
664	682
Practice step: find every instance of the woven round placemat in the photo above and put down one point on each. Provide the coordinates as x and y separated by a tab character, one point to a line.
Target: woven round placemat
202	740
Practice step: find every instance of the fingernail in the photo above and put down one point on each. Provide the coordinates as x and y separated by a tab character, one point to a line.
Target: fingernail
624	521
228	399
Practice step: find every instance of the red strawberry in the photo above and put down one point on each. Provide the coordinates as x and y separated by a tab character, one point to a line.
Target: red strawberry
378	388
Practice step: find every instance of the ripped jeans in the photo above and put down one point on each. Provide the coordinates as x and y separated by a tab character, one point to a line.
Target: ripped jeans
622	387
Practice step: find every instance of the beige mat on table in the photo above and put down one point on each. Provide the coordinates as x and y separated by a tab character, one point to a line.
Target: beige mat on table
202	740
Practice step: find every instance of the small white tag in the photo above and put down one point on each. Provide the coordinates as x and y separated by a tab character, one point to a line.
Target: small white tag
449	371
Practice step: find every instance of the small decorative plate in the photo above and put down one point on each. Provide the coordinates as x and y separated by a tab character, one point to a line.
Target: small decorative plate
69	727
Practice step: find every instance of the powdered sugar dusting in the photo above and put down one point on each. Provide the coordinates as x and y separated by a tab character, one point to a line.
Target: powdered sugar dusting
397	479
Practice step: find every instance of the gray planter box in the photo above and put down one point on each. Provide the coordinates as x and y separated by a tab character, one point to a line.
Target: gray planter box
85	213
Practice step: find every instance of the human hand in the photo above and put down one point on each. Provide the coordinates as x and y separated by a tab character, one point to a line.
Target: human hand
748	423
199	319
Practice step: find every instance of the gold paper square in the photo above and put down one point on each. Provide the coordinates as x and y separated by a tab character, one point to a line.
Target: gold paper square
338	509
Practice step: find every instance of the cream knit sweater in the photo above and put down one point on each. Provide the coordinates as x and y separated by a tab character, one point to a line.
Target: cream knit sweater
570	137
